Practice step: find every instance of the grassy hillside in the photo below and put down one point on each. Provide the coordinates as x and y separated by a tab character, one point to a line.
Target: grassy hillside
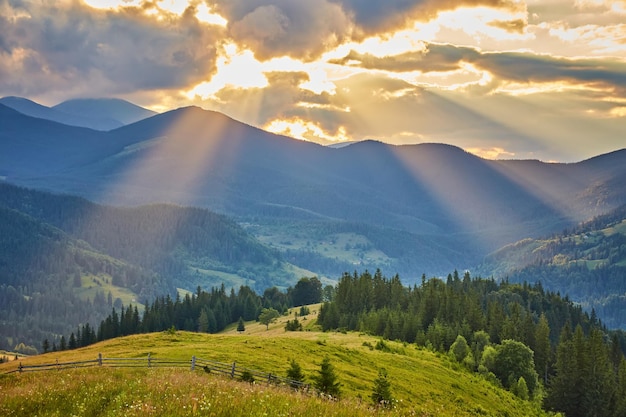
424	383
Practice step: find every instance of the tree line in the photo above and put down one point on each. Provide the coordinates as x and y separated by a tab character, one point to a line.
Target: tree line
202	311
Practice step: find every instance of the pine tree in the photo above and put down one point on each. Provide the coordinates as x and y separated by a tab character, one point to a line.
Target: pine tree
295	373
542	348
326	381
599	376
241	327
381	393
46	346
72	343
203	322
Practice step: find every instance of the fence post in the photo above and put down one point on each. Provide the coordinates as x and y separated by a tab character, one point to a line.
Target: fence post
20	368
269	378
149	359
58	367
232	372
99	359
193	362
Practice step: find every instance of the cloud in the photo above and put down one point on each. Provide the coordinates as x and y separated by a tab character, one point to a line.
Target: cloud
375	17
520	67
274	28
70	48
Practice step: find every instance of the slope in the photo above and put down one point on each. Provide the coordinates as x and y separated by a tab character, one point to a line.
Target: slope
587	262
50	282
61	255
423	383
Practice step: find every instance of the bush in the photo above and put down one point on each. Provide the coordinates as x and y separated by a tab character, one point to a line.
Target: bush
247	376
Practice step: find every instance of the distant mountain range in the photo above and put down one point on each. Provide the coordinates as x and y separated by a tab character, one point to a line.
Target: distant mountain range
412	209
97	114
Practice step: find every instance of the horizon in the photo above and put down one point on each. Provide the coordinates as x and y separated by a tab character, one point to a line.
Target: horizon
509	79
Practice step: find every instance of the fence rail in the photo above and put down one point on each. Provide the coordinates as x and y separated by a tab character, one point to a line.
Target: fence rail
209	366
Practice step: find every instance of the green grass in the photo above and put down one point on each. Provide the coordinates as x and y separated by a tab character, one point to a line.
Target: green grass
91	284
423	382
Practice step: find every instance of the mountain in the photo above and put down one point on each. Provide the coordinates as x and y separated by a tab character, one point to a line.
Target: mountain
409	209
120	112
30	108
96	114
60	256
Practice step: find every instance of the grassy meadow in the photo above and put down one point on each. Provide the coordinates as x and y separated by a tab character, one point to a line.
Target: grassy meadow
423	383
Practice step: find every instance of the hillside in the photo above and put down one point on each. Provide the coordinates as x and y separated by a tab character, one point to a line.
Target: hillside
444	207
59	251
423	382
587	262
51	282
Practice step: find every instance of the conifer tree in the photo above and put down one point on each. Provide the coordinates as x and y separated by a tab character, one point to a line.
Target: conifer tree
241	327
326	380
599	376
381	392
203	322
542	348
295	373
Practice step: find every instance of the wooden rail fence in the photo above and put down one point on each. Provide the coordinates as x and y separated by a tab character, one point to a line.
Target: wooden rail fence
228	369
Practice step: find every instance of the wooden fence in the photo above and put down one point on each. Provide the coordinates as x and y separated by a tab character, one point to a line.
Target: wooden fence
228	369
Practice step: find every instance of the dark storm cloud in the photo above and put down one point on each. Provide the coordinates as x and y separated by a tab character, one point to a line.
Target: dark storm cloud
65	46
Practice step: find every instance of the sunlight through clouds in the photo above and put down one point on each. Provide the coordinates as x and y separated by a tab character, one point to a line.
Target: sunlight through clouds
235	68
305	130
296	66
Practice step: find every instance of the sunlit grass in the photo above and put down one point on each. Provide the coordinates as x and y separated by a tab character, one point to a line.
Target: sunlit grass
424	383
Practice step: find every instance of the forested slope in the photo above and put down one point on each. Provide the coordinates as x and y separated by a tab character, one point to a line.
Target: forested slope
69	254
587	262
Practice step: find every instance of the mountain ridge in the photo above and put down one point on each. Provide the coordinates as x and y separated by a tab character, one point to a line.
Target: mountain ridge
411	209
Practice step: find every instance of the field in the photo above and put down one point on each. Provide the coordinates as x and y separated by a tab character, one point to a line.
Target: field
422	382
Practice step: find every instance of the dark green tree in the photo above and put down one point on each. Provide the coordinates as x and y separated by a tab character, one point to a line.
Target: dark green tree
72	343
241	327
543	350
45	346
325	382
203	322
599	376
381	392
295	374
307	291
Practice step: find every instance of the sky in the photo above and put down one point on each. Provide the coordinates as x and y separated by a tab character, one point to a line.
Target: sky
504	79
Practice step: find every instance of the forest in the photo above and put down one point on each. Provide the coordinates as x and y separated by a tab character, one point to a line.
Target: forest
531	341
587	262
65	260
